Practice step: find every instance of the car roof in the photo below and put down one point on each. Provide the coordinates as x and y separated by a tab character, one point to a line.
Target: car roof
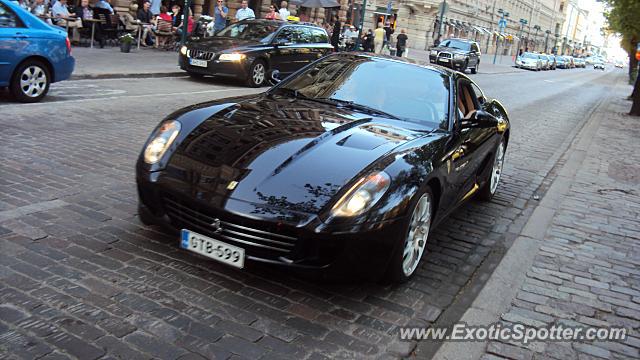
280	23
460	39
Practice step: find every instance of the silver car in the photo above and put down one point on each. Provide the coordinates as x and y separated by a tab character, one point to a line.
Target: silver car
529	61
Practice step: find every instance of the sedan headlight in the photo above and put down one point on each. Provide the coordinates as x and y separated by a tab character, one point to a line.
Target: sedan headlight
161	139
231	57
183	50
362	195
459	56
433	52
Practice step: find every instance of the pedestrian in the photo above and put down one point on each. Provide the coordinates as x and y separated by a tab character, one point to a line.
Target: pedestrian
85	12
335	35
378	40
388	31
272	14
244	12
401	43
367	42
176	13
61	12
284	12
220	18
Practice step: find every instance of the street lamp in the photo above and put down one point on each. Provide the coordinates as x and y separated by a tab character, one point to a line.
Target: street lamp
535	37
523	22
546	42
502	24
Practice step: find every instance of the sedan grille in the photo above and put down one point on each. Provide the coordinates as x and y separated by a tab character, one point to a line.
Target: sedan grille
200	54
257	242
445	55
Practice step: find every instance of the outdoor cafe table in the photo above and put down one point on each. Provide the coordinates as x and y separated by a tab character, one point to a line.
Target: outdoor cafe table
140	28
93	27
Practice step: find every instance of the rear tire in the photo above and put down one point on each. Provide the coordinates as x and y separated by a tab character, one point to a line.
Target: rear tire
257	74
490	186
30	81
407	255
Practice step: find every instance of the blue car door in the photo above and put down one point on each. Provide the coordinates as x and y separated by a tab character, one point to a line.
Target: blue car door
13	38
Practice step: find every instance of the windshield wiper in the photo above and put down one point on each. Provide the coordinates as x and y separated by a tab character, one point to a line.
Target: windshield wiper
355	106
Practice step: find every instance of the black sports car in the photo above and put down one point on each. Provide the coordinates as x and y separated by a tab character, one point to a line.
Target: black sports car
250	49
329	168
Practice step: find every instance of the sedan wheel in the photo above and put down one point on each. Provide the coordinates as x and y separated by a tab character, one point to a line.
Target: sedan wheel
407	258
257	74
30	82
491	186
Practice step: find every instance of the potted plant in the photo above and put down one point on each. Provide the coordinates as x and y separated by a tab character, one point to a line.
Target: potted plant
125	42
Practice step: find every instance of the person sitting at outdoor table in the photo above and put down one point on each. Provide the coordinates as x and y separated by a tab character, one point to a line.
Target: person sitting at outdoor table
177	15
129	21
164	14
145	16
190	24
24	4
40	9
104	4
244	12
86	12
272	14
350	35
61	12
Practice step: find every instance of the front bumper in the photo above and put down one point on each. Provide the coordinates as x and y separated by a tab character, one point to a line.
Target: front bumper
448	62
239	70
527	66
359	251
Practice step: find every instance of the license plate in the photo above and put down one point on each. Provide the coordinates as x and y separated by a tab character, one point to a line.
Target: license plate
444	60
211	248
196	62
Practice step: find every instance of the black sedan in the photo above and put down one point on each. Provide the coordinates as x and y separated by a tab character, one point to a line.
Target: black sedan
328	169
249	50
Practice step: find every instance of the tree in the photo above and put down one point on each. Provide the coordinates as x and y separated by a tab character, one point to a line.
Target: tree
623	17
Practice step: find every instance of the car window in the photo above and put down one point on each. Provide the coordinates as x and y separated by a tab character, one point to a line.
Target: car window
319	35
290	35
466	100
456	44
249	31
478	93
304	35
474	47
417	94
8	19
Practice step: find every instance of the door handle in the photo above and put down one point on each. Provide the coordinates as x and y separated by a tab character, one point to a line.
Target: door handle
20	36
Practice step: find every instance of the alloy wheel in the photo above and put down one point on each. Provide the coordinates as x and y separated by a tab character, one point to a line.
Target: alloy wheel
497	168
258	74
416	240
33	81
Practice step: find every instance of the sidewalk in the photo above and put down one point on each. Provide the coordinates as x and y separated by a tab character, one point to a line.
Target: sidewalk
111	63
586	239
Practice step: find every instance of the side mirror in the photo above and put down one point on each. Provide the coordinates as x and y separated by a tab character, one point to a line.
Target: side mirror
479	119
275	77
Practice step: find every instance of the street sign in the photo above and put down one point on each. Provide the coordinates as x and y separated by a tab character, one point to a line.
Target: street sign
389	6
502	23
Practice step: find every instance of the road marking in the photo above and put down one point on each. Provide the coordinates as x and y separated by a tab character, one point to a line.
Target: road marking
549	81
48	103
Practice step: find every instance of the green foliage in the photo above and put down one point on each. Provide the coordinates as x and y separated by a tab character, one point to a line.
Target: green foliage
623	17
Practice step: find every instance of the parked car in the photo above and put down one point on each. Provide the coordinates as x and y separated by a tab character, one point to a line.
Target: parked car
544	60
619	64
251	49
322	174
529	61
572	62
33	54
562	62
552	62
580	63
458	54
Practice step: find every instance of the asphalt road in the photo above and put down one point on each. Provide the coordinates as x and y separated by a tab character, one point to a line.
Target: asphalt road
80	276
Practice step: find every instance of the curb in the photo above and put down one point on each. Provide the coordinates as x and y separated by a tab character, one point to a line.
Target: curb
127	75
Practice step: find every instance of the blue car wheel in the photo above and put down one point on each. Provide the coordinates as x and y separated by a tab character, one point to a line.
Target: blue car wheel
30	82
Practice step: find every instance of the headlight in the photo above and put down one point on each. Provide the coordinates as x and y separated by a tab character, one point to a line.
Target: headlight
161	139
362	196
433	52
459	56
183	50
231	57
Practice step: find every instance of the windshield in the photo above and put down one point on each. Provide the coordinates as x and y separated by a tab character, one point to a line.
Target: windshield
530	56
416	94
256	31
456	44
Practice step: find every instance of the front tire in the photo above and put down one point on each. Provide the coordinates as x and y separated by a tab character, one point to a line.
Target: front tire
475	69
490	186
30	82
407	256
257	74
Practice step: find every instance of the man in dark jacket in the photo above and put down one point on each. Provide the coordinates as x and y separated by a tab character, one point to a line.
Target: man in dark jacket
388	32
335	35
401	43
145	16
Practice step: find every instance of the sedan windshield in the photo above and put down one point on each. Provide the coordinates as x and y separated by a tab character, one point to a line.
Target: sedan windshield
456	44
530	56
402	90
256	31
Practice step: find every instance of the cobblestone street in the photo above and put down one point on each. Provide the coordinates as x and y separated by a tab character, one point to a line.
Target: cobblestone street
81	277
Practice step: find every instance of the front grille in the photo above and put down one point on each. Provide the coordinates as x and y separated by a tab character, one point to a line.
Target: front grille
445	55
258	242
200	54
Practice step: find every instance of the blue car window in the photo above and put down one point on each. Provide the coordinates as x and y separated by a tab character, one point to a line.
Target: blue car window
7	18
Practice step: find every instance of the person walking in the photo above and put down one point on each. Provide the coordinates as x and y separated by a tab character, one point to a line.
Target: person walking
244	12
378	40
367	41
401	43
335	35
220	18
284	12
272	14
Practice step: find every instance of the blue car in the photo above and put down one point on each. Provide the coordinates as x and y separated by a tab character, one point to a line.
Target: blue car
33	54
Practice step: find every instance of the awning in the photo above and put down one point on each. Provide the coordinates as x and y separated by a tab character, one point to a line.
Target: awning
487	31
